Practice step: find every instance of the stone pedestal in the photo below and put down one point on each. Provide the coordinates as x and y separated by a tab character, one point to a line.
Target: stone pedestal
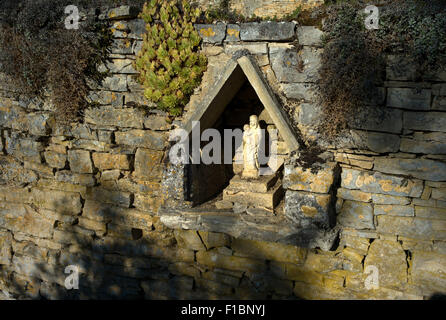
262	192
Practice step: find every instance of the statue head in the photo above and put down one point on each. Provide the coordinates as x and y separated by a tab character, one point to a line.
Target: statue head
253	122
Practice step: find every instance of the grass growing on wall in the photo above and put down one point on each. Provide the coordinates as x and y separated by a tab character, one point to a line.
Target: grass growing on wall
170	63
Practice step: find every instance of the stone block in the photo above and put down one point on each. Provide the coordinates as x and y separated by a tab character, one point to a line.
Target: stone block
122	12
379	119
232	32
429	271
439	194
268	30
215	260
376	182
412	227
400	68
109	116
309	36
386	199
80	161
116	82
439	89
214	239
409	98
211	33
394	210
298	178
189	239
418	168
253	48
430	213
55	160
60	201
18	217
75	178
107	161
357	215
305	208
289	65
309	114
390	260
261	184
148	164
141	138
425	121
355	195
156	122
119	198
267	199
439	104
5	247
420	146
268	251
299	91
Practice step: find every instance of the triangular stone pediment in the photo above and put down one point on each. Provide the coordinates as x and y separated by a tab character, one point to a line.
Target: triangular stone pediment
234	75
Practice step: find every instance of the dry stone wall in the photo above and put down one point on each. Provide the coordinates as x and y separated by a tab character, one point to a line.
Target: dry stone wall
88	194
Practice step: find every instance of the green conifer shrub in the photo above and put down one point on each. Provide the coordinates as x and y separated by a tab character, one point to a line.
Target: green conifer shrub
170	63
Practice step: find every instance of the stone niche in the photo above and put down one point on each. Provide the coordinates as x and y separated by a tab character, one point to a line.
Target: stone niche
214	196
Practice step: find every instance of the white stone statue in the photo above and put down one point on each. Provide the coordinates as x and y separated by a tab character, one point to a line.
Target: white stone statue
252	137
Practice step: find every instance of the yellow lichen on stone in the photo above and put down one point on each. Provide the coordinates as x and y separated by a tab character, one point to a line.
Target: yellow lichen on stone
207	32
233	32
309	211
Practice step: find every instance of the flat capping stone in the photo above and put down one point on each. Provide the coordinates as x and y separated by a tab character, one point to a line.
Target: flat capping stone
237	71
243	226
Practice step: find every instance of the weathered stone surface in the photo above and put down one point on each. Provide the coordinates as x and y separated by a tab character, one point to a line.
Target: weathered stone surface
5	247
289	65
439	104
122	12
55	160
41	169
213	239
425	121
253	48
123	66
419	168
439	89
59	201
309	36
355	195
299	91
271	31
309	114
268	251
211	33
18	217
355	160
297	178
430	213
379	119
439	194
212	259
390	260
387	199
412	227
232	32
394	210
80	161
189	239
382	142
23	148
119	198
357	215
408	98
376	182
267	199
106	161
262	184
109	116
305	208
75	178
420	146
155	122
429	271
141	138
117	82
148	164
